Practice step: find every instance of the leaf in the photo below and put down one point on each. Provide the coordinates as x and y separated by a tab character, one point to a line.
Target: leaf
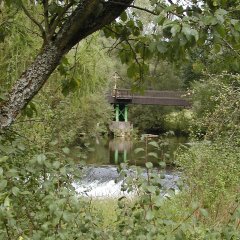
159	201
56	164
162	47
67	216
123	16
204	212
54	142
3	159
2	95
12	172
210	20
153	154
151	189
175	29
132	70
15	191
41	158
63	171
69	85
137	150
21	147
189	32
167	155
66	150
162	164
195	205
3	184
7	202
153	143
149	165
149	215
54	8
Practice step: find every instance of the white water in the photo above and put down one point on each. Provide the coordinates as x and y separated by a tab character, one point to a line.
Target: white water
103	182
101	190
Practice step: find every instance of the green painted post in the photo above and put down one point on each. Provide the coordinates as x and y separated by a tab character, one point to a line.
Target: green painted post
126	113
125	156
116	156
117	112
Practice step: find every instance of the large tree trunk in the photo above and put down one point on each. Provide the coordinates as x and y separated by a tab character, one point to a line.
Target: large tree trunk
28	85
80	24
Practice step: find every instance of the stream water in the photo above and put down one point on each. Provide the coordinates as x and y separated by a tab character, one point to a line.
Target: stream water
101	178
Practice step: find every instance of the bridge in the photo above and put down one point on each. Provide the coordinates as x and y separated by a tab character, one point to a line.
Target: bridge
121	98
149	97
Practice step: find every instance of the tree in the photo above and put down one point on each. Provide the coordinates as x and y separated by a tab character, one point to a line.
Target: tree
175	29
64	26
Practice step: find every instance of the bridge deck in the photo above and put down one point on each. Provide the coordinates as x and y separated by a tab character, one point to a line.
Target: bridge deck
149	97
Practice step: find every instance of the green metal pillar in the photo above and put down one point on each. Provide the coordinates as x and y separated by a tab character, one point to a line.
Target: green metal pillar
116	156
125	156
126	113
117	112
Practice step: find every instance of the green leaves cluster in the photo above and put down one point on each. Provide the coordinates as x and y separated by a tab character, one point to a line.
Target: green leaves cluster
174	31
38	200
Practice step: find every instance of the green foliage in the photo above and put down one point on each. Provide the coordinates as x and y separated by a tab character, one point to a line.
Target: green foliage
38	200
179	122
211	172
216	107
18	48
81	71
155	119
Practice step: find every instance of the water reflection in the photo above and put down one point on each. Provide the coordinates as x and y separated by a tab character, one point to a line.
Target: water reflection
119	150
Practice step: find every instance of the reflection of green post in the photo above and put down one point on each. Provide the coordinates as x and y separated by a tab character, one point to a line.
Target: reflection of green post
126	113
116	156
117	112
125	156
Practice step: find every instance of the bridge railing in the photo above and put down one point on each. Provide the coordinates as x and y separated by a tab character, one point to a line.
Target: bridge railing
127	94
122	94
164	94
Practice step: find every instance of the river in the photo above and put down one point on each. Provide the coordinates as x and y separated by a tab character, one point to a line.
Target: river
101	176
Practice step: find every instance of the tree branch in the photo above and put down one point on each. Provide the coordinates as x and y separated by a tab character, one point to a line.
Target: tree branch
133	6
34	21
231	47
58	18
136	59
45	10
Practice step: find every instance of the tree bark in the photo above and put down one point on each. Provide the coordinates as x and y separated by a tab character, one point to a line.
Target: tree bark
81	23
28	85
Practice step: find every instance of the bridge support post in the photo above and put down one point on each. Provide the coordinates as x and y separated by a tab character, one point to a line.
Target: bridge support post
126	113
116	156
125	155
121	126
117	112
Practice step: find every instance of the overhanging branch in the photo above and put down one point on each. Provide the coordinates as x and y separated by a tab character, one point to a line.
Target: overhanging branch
34	21
133	6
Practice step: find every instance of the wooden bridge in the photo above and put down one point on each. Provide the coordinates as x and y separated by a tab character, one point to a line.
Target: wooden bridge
149	97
